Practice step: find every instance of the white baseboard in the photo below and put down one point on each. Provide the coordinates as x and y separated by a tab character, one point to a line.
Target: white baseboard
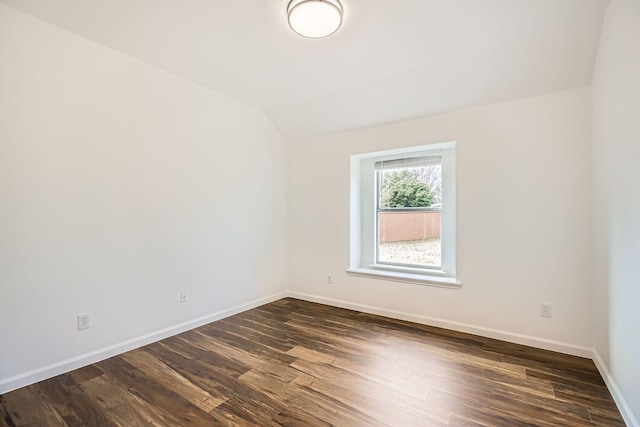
542	343
49	371
621	402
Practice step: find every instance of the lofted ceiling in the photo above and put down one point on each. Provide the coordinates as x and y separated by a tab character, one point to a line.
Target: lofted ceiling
391	60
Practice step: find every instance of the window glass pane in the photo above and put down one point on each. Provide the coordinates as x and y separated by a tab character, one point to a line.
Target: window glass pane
409	202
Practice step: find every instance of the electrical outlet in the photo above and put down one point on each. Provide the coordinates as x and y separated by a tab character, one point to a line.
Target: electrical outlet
329	280
184	297
83	321
545	310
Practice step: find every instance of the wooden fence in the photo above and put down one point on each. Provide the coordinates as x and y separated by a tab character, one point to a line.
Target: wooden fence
403	226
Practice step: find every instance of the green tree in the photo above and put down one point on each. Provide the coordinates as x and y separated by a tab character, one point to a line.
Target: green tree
403	189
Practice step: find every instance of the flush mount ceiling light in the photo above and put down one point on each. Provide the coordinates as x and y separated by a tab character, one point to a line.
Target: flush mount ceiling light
314	18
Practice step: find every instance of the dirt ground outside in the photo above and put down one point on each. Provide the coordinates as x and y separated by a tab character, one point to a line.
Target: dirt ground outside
417	252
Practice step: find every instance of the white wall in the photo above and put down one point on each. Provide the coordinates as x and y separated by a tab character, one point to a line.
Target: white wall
120	186
616	152
524	220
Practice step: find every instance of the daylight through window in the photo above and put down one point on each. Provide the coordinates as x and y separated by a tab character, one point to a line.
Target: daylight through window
403	215
409	205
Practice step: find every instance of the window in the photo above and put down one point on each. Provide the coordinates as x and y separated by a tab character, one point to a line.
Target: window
408	211
403	215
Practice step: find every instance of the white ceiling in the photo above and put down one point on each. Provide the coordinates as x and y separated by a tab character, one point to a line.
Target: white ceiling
391	60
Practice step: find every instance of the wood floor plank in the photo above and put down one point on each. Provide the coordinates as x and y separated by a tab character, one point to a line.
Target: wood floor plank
479	382
334	410
338	343
568	377
378	403
311	355
606	418
226	365
293	417
482	411
382	392
360	406
26	407
211	378
170	404
258	332
593	398
448	374
5	418
282	372
414	353
298	397
86	373
400	340
244	343
255	336
124	408
72	403
169	378
488	401
236	411
393	377
296	363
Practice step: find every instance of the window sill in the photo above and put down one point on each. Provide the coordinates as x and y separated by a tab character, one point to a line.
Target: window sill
405	277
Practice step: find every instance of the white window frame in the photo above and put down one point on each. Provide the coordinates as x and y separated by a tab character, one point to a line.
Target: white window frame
363	233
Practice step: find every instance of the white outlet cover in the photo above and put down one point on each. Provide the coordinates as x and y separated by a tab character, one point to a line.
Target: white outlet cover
83	321
546	310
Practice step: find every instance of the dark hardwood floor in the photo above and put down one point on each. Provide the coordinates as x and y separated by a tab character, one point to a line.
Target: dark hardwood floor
296	363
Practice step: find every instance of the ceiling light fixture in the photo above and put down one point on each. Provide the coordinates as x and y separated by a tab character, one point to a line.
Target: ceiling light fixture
314	18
